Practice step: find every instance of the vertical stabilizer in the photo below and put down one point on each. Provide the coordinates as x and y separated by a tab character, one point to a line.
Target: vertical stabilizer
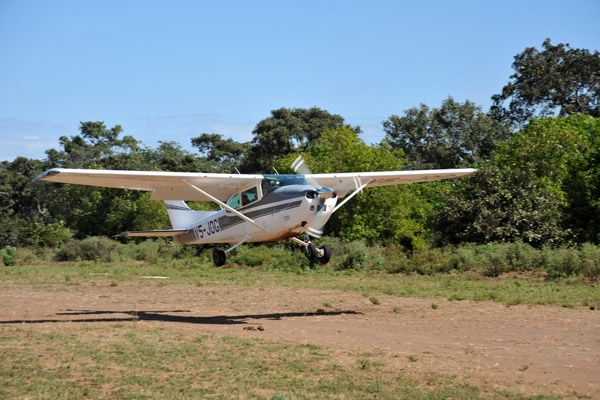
181	215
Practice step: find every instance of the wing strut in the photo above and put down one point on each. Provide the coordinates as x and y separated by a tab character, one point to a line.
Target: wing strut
225	206
238	243
357	191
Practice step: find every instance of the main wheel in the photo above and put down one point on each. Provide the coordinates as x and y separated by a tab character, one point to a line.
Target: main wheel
324	259
311	252
219	257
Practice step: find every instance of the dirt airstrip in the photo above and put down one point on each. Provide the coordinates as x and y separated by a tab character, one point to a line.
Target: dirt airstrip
523	349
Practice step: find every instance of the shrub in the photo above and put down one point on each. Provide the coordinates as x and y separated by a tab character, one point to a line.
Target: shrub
467	256
183	251
91	248
356	255
590	257
44	234
432	261
269	255
286	258
152	250
522	256
9	255
148	250
492	258
252	256
396	261
562	262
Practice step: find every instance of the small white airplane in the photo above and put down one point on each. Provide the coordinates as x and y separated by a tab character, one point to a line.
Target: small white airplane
254	208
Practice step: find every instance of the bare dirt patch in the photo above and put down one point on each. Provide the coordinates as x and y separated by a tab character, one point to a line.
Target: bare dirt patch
524	349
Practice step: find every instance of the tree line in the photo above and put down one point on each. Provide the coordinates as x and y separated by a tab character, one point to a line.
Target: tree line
537	151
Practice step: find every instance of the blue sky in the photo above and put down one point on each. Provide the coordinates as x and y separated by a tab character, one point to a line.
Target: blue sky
172	70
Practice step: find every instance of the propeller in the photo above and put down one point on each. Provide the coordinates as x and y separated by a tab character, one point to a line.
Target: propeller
299	166
341	189
316	227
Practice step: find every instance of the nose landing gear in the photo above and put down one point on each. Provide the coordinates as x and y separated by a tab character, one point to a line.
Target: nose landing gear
322	254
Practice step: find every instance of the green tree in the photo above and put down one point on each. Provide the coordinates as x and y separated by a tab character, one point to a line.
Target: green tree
500	206
96	210
558	79
170	156
563	153
454	135
549	146
47	213
542	186
21	202
227	153
94	144
581	188
47	234
285	131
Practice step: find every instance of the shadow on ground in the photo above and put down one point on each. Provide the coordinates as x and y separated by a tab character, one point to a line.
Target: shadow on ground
167	316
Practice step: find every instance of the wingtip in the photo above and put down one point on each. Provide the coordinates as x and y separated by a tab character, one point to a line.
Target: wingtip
45	175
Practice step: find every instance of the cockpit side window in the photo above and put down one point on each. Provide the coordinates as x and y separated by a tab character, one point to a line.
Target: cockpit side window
249	196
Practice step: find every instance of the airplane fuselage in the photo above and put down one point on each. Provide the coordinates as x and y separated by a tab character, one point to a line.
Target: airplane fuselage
284	213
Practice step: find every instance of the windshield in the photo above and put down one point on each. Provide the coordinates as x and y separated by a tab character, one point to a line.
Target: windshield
272	182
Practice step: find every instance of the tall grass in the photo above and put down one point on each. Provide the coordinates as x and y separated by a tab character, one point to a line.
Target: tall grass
492	259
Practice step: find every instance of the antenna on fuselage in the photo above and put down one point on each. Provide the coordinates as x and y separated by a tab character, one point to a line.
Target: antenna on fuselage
275	169
238	171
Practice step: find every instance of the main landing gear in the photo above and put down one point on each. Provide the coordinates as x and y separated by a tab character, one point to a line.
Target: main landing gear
219	256
322	254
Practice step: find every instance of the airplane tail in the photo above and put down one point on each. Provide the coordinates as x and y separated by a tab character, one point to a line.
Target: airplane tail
181	215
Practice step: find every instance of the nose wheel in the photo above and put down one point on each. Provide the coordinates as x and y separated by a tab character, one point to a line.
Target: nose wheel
324	254
321	254
311	252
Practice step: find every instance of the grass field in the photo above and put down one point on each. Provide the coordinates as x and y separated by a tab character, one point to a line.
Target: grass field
508	290
136	361
126	362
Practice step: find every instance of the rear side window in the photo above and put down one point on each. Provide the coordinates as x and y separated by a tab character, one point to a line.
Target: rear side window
234	201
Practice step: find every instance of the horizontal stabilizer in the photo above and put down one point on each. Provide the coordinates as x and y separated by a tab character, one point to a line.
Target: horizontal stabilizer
163	232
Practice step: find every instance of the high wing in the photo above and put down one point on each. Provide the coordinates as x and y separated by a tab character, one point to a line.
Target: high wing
166	185
176	185
342	183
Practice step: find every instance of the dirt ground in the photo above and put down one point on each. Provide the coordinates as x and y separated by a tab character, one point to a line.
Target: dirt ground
524	349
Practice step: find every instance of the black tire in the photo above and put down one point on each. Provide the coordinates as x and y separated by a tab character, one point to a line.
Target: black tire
311	252
219	257
324	259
